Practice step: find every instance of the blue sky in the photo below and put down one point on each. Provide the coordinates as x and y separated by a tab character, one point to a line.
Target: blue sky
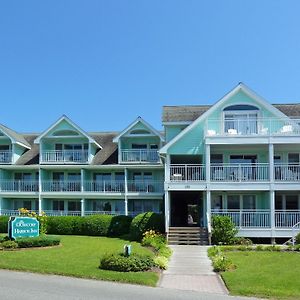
103	63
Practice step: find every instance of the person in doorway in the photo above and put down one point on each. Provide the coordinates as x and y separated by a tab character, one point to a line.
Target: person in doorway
190	219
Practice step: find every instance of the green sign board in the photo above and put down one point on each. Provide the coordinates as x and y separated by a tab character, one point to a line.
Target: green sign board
23	227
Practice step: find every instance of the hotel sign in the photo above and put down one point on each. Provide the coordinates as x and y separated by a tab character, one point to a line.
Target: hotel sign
23	227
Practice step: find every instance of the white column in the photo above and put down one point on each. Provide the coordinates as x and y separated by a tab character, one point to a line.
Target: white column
208	206
167	168
82	179
271	161
0	206
82	201
40	191
272	208
167	211
119	151
207	162
126	192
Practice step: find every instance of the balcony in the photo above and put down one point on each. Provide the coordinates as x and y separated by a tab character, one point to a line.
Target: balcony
61	186
260	218
65	156
253	127
187	172
19	186
240	172
5	157
150	186
105	186
139	156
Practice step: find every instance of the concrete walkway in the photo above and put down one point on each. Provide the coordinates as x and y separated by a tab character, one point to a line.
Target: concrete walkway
191	269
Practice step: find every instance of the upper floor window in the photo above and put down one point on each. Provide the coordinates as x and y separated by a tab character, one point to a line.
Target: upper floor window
241	119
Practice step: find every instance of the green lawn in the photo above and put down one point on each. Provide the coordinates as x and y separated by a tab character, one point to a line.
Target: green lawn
78	256
273	275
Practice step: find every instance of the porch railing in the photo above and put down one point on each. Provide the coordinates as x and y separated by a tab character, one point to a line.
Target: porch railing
61	186
62	213
5	157
252	126
187	172
286	218
287	172
109	186
139	156
240	172
246	218
141	186
103	212
19	186
14	212
63	156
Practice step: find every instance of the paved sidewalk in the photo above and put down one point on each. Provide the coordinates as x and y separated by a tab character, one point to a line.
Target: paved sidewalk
191	269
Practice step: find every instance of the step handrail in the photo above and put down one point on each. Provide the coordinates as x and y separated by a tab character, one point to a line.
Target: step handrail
294	233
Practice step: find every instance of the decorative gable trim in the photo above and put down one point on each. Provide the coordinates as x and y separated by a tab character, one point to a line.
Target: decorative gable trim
240	87
130	126
76	127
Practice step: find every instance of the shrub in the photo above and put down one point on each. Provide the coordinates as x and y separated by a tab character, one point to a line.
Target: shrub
24	212
4	224
96	225
40	241
223	230
9	245
122	263
242	241
146	221
161	262
298	239
222	263
119	225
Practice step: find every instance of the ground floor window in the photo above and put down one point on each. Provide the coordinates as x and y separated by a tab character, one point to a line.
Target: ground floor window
233	201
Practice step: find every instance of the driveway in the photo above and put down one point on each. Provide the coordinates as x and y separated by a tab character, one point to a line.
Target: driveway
25	286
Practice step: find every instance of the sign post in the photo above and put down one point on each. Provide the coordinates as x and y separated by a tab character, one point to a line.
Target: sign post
23	227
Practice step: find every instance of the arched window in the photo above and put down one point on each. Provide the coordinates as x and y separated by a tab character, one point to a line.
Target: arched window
65	132
241	119
139	131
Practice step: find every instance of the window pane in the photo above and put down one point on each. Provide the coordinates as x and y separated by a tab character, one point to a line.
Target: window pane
293	158
233	202
249	202
291	202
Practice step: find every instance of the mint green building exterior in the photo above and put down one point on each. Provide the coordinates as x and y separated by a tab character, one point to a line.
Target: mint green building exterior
239	157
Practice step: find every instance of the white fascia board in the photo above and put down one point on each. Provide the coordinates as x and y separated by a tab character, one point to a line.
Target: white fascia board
139	119
239	87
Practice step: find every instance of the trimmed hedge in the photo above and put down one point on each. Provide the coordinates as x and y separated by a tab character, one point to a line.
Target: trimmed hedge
146	221
40	241
122	263
96	225
4	224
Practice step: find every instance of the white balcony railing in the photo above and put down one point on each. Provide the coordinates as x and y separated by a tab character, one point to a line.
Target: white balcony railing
103	212
141	186
187	172
240	172
287	218
247	218
65	156
62	213
61	186
139	156
253	126
19	186
109	186
5	157
14	212
287	172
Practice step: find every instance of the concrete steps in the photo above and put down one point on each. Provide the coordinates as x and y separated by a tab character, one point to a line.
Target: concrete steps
188	236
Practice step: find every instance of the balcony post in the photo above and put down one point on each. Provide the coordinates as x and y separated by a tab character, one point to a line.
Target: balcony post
82	180
126	191
0	206
271	162
82	202
207	162
40	190
167	211
167	168
272	209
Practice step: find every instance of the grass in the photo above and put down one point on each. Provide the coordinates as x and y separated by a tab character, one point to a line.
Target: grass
78	256
272	275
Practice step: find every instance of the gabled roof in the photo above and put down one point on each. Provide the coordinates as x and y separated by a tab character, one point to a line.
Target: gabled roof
130	126
14	136
76	127
240	87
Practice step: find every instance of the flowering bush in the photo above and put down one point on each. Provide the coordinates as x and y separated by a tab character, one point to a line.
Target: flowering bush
41	218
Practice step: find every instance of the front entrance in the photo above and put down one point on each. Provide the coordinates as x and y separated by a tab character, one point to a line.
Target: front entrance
186	209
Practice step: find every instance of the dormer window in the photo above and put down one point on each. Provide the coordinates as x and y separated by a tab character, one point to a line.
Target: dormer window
241	119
